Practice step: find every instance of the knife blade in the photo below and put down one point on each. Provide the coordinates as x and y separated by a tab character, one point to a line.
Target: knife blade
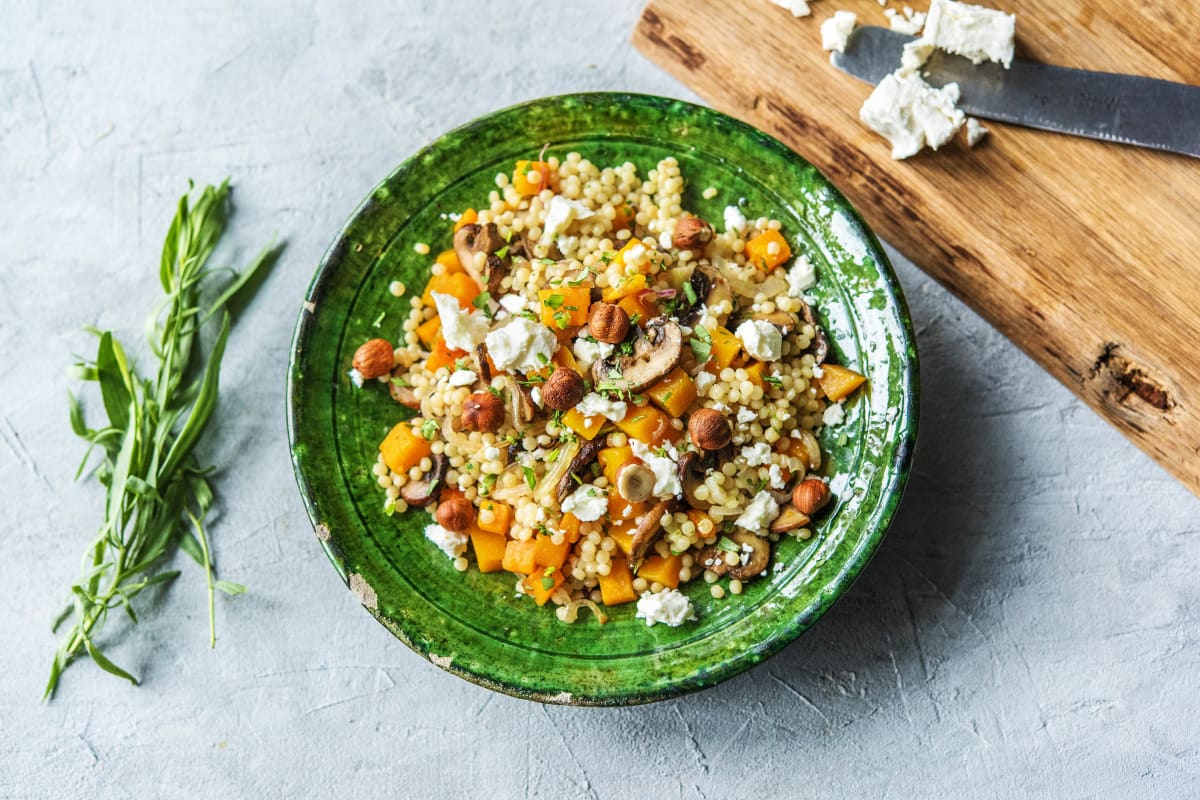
1128	109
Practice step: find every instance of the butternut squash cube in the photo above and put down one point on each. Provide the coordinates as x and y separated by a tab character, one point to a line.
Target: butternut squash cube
617	586
768	250
519	556
430	331
587	427
543	583
838	382
548	554
500	519
564	306
489	549
662	570
674	393
403	448
647	424
530	177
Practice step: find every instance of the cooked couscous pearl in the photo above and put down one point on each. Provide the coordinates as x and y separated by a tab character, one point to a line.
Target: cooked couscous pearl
717	592
421	248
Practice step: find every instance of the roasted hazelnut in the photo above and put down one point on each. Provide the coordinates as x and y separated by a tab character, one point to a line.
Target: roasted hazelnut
691	233
563	390
456	514
709	429
810	496
608	323
373	358
484	412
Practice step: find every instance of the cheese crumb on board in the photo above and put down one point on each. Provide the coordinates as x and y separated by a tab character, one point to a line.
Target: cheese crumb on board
911	114
799	8
974	32
909	22
835	31
975	131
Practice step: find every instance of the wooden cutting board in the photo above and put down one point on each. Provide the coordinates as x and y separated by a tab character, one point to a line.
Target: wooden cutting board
1085	254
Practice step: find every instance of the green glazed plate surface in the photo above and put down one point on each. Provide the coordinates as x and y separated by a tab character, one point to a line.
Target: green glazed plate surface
474	625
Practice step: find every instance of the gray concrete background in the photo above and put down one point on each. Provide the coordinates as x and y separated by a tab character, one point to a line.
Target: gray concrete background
1029	628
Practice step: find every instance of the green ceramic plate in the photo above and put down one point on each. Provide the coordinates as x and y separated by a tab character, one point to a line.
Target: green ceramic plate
472	624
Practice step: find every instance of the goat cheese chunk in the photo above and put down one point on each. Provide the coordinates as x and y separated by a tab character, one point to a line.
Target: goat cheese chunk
463	377
909	22
521	344
834	415
756	455
975	131
666	473
735	220
799	8
587	503
974	32
761	339
588	352
594	404
801	277
452	543
758	516
561	213
835	31
911	114
462	331
671	607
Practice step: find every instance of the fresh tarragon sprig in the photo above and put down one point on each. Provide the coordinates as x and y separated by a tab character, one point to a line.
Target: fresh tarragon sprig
157	494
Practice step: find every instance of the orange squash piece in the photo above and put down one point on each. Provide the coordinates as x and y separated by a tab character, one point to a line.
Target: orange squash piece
623	218
612	459
617	586
564	306
662	570
489	549
530	177
624	538
628	285
541	585
430	331
768	250
674	393
502	517
449	260
518	556
649	425
640	306
458	285
442	356
839	382
587	427
570	527
725	347
469	217
754	374
548	554
403	448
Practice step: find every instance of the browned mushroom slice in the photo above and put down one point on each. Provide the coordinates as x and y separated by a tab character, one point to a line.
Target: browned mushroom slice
713	559
403	394
784	320
422	492
789	519
753	555
656	350
691	476
710	289
645	534
574	474
819	346
472	239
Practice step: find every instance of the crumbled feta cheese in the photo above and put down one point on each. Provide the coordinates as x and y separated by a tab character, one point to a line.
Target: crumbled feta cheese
799	8
761	512
587	503
775	476
756	455
593	404
463	377
909	22
561	213
746	415
911	114
975	131
914	55
974	32
671	607
521	344
666	474
834	415
513	303
704	382
356	378
817	372
761	339
535	394
735	220
452	543
586	353
462	331
835	31
801	277
491	452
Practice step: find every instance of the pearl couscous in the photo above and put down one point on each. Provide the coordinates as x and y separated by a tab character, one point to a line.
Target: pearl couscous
613	399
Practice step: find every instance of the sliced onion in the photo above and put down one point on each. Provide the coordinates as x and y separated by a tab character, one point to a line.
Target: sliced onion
771	286
571	610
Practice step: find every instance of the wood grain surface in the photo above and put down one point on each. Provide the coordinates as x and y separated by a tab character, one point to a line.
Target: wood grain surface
1084	253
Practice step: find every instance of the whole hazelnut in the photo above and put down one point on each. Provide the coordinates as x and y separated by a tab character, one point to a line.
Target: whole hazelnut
810	496
373	358
608	323
709	429
483	412
456	514
563	390
691	233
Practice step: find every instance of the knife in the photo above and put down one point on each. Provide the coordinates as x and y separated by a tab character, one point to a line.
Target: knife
1146	112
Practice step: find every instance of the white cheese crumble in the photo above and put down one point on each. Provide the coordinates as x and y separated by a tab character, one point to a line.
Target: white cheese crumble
735	220
801	277
463	377
761	339
817	372
756	455
911	114
834	415
835	31
513	303
586	353
704	382
909	22
521	344
462	331
356	378
670	607
746	415
975	131
561	213
587	503
452	543
799	8
491	452
666	474
761	512
594	404
974	32
535	394
775	476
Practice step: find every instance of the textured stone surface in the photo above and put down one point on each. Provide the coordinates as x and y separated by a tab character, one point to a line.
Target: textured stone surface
1028	628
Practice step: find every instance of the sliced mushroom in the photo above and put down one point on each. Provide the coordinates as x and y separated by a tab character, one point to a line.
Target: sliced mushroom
574	474
404	395
711	289
422	492
635	483
657	348
784	320
753	555
486	239
691	476
819	346
481	361
520	404
789	519
645	534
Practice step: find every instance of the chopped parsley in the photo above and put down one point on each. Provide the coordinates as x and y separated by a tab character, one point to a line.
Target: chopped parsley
503	251
690	293
483	301
562	319
486	483
701	343
497	393
461	364
530	478
727	545
527	314
379	319
774	380
429	429
398	381
554	301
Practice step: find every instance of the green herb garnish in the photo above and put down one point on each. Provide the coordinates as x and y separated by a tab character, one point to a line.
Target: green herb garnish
701	343
554	301
486	483
530	478
542	357
690	293
728	545
774	380
379	320
429	429
483	301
